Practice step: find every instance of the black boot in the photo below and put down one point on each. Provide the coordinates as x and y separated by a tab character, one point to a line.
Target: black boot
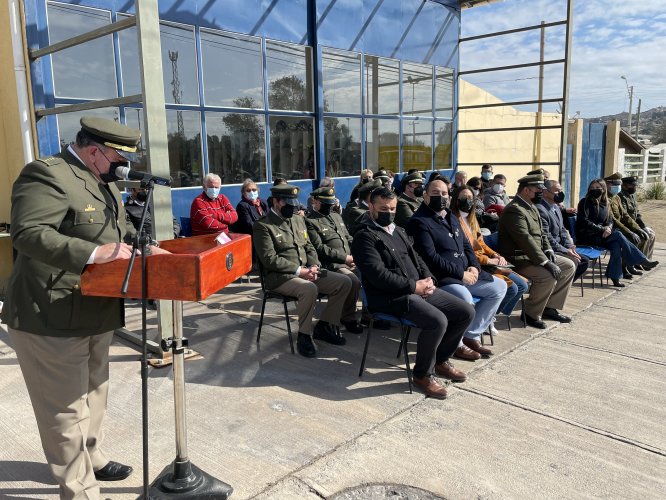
617	283
634	271
649	265
305	346
626	274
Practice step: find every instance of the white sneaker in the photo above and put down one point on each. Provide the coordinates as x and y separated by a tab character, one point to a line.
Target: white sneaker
493	330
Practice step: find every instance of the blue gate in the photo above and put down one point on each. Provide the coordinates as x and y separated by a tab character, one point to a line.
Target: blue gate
592	158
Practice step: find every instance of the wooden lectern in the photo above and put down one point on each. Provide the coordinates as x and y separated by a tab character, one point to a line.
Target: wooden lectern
196	268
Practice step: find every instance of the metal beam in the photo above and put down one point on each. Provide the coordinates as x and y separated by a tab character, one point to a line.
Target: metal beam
504	129
366	24
508	163
512	66
408	29
116	101
565	91
85	37
508	32
510	103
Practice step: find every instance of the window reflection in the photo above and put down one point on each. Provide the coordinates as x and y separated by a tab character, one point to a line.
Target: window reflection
444	92
236	146
416	89
69	123
289	69
342	81
382	84
342	146
76	72
292	147
442	145
232	70
382	144
417	144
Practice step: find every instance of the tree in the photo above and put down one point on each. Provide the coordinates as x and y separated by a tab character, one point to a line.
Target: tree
659	136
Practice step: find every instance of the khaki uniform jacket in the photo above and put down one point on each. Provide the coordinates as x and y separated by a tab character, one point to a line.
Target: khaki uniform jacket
330	238
351	215
60	214
282	245
406	208
522	240
631	206
621	218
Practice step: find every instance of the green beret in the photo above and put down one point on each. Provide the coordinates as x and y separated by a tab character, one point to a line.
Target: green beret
325	195
415	177
535	180
615	179
632	179
369	186
286	192
112	134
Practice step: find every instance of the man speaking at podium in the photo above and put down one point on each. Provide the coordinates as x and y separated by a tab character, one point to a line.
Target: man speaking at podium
67	213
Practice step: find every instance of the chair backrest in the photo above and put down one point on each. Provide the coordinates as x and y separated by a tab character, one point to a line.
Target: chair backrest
492	240
572	227
261	275
185	226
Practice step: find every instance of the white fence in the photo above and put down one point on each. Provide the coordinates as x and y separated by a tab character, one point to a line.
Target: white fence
648	167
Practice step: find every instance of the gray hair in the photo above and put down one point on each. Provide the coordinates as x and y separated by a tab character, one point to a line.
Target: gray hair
327	182
211	177
247	182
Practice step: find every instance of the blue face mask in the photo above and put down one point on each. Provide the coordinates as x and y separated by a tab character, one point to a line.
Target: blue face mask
252	195
212	192
486	175
615	189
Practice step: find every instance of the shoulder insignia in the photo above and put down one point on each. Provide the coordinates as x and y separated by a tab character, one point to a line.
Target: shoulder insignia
49	160
89	208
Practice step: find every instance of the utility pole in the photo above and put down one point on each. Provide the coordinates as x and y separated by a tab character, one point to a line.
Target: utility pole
638	117
631	101
176	91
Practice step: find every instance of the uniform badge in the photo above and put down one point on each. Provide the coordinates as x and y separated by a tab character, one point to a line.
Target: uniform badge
450	235
457	233
305	234
89	208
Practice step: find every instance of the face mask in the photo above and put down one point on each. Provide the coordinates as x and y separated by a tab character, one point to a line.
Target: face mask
438	203
365	181
614	190
325	209
465	205
287	211
486	175
111	176
538	196
212	192
631	189
476	192
141	196
596	193
385	219
498	188
559	197
418	191
252	195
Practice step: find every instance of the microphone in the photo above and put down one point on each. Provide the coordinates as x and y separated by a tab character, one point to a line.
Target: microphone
132	175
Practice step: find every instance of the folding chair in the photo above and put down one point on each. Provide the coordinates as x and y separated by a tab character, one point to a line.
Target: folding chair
592	253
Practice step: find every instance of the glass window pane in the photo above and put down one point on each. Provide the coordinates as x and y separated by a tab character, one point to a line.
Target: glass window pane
289	69
416	89
134	119
444	92
417	144
342	81
236	146
292	147
342	146
382	86
179	63
442	145
129	59
382	148
76	72
232	70
69	125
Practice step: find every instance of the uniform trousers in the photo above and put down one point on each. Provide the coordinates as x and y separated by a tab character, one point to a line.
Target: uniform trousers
335	285
581	264
546	291
647	246
443	319
68	383
349	312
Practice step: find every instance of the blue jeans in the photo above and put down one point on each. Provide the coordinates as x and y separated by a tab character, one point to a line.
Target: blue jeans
513	294
491	294
621	250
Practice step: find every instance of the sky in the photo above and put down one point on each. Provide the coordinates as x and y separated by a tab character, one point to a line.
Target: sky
610	39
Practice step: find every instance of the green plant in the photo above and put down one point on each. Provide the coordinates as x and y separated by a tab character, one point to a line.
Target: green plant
641	195
656	191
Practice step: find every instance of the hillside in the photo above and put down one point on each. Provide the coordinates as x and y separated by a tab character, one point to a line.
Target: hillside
651	122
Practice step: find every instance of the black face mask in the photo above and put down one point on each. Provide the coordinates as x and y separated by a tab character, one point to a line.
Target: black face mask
385	219
465	205
111	176
631	189
287	211
596	193
365	181
141	196
418	191
538	196
325	209
438	203
559	197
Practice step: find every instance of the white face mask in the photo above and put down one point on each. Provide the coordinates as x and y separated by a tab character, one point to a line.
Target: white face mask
252	195
476	192
212	192
464	215
498	188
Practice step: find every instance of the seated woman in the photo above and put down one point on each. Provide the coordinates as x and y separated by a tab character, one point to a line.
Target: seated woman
250	208
365	177
594	226
462	206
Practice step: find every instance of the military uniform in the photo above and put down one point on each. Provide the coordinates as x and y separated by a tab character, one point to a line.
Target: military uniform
406	208
630	205
61	213
356	209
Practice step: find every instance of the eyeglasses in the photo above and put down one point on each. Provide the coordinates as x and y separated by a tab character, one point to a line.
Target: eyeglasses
250	190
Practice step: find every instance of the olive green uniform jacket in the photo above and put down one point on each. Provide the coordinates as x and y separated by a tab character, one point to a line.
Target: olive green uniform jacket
522	240
330	238
282	246
351	215
60	214
406	208
621	218
631	206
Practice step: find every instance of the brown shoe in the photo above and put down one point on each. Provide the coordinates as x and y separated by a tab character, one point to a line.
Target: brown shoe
430	387
447	370
464	352
475	345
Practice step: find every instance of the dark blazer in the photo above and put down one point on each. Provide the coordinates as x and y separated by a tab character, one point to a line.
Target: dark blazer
590	221
385	279
441	243
553	225
247	216
134	211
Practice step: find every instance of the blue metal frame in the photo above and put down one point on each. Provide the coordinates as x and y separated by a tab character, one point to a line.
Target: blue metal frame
317	87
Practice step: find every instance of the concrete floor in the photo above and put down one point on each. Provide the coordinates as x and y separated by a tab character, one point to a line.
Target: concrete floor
575	411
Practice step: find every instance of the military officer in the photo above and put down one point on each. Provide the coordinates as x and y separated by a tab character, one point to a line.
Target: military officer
332	241
291	267
410	199
627	196
523	242
355	209
67	213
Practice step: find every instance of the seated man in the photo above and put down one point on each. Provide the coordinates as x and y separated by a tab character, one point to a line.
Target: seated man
485	219
410	199
459	181
134	210
332	241
486	177
211	211
553	225
291	267
397	281
441	243
627	196
355	209
523	242
496	194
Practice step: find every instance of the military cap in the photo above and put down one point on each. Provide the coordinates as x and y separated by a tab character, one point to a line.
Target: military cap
112	134
286	192
368	187
614	179
381	174
538	171
415	177
535	180
325	195
632	179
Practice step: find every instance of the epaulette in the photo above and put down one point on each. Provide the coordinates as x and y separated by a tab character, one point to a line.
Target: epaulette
49	160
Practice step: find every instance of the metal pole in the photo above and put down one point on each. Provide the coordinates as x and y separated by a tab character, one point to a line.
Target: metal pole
638	118
539	121
631	102
179	383
565	91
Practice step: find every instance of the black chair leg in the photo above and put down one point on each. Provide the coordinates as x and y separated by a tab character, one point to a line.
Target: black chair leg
401	345
286	317
365	350
582	292
508	321
522	304
405	335
261	318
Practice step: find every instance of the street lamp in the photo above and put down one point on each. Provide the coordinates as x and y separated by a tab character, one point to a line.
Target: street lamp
630	91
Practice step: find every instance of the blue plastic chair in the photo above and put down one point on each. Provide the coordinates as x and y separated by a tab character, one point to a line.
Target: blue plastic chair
592	253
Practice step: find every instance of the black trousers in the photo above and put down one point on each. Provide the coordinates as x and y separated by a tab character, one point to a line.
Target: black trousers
443	319
581	265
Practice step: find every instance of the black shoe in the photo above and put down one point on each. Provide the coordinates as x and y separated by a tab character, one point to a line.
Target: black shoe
327	333
381	324
617	283
555	315
353	326
634	271
649	265
639	268
113	471
626	274
305	346
536	323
